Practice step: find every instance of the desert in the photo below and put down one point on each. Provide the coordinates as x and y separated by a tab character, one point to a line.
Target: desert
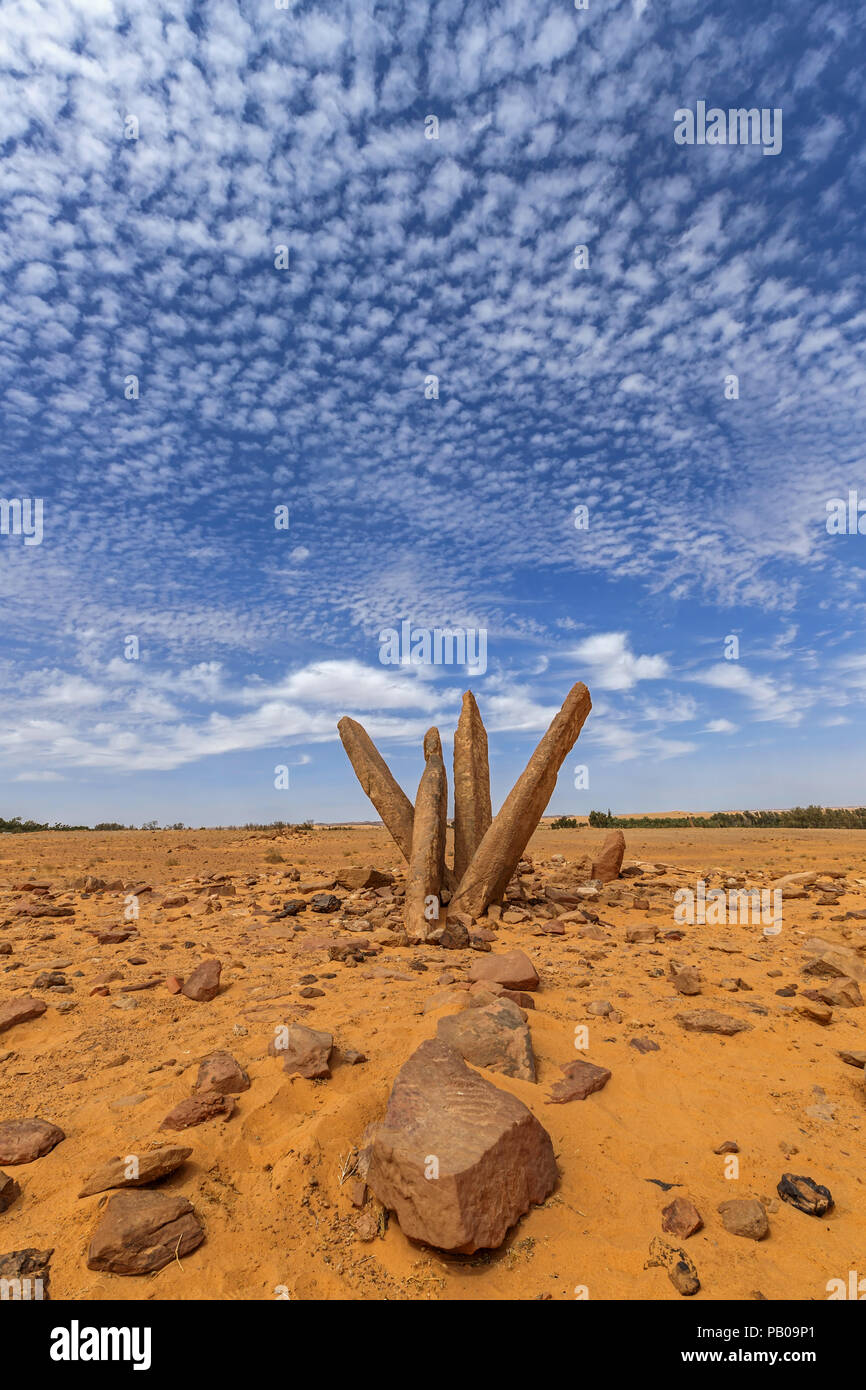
273	1183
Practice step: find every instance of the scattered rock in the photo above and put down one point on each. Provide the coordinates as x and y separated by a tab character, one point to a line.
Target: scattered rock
581	1079
817	1012
220	1072
728	1146
22	1141
9	1190
204	982
687	980
854	1059
494	1036
207	1105
305	1051
20	1010
492	1157
514	970
141	1232
711	1021
644	1045
146	1168
744	1216
32	1268
804	1194
681	1218
680	1268
355	878
324	902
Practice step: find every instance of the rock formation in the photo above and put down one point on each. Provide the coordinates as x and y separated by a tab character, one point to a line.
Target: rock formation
472	813
375	777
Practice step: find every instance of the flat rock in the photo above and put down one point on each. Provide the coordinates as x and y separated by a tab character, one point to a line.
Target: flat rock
744	1216
220	1072
854	1059
207	1105
711	1021
354	878
22	1141
32	1267
492	1157
581	1079
513	970
148	1167
494	1036
204	982
20	1010
840	992
141	1232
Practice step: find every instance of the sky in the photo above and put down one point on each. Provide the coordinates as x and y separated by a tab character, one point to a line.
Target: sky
296	346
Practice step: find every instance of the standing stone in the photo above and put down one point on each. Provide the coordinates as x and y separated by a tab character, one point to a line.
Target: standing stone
472	811
458	1160
609	862
424	879
507	836
375	777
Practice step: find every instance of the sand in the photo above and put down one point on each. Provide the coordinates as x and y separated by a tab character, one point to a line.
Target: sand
266	1183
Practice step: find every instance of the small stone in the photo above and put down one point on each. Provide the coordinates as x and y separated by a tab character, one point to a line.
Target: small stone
744	1216
804	1194
680	1268
681	1218
204	982
324	902
728	1146
148	1167
220	1072
514	970
207	1105
20	1010
305	1052
31	1267
9	1190
644	1044
582	1078
817	1012
687	981
711	1021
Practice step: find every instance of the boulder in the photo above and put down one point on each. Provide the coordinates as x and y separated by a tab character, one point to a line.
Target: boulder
458	1160
220	1072
609	862
305	1051
204	982
363	877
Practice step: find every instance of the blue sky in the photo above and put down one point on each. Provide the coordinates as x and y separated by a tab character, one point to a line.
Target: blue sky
558	386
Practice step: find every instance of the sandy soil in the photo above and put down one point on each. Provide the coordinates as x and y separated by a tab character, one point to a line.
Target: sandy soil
266	1183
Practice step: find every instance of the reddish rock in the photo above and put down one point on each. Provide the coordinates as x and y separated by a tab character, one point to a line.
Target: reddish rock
711	1021
609	862
841	993
207	1105
681	1218
220	1072
22	1141
458	1160
115	936
687	980
514	970
494	1036
744	1216
20	1011
148	1167
305	1051
141	1232
355	878
204	982
581	1079
173	984
102	991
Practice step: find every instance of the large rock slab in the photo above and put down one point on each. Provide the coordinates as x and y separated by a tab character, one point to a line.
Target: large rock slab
458	1160
494	1036
354	878
22	1141
20	1010
711	1021
472	809
424	879
514	970
488	875
147	1167
141	1232
375	777
609	862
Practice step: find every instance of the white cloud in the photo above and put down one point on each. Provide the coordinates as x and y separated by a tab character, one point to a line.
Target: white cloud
613	665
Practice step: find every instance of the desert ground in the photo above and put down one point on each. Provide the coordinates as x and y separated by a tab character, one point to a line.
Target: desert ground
274	1184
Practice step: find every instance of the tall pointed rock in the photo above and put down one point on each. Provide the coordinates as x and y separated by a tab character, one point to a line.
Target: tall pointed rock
498	855
425	878
375	777
472	813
